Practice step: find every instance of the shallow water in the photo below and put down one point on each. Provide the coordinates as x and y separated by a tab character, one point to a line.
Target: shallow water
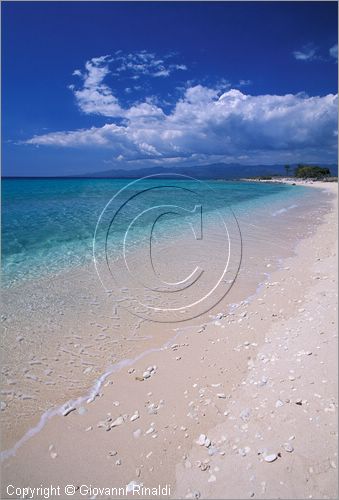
48	225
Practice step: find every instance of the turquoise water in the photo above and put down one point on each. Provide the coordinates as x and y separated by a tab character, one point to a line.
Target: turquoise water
48	224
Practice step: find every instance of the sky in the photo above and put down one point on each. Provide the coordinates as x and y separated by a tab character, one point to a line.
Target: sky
94	86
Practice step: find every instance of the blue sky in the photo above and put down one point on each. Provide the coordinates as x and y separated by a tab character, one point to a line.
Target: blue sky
90	86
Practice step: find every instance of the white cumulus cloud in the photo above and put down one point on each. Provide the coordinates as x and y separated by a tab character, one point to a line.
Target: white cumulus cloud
95	96
205	123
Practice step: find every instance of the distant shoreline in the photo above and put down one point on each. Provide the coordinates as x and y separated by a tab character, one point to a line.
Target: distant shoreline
291	180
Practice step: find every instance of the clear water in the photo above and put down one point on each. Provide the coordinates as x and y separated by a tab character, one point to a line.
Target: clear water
48	224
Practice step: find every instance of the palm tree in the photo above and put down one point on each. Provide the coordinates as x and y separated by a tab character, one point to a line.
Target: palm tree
287	168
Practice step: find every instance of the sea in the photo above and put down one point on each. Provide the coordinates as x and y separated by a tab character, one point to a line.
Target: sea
49	225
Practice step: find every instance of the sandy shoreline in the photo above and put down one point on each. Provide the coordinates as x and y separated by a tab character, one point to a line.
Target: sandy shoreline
281	434
239	402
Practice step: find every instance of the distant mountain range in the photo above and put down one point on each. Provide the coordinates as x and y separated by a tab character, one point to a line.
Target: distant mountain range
213	171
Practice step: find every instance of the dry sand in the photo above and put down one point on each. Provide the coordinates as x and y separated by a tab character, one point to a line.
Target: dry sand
260	385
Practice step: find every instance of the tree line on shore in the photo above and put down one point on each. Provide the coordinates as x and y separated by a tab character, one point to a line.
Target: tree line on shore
303	171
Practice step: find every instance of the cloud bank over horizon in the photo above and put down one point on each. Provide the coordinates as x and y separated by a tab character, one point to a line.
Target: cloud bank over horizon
204	122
